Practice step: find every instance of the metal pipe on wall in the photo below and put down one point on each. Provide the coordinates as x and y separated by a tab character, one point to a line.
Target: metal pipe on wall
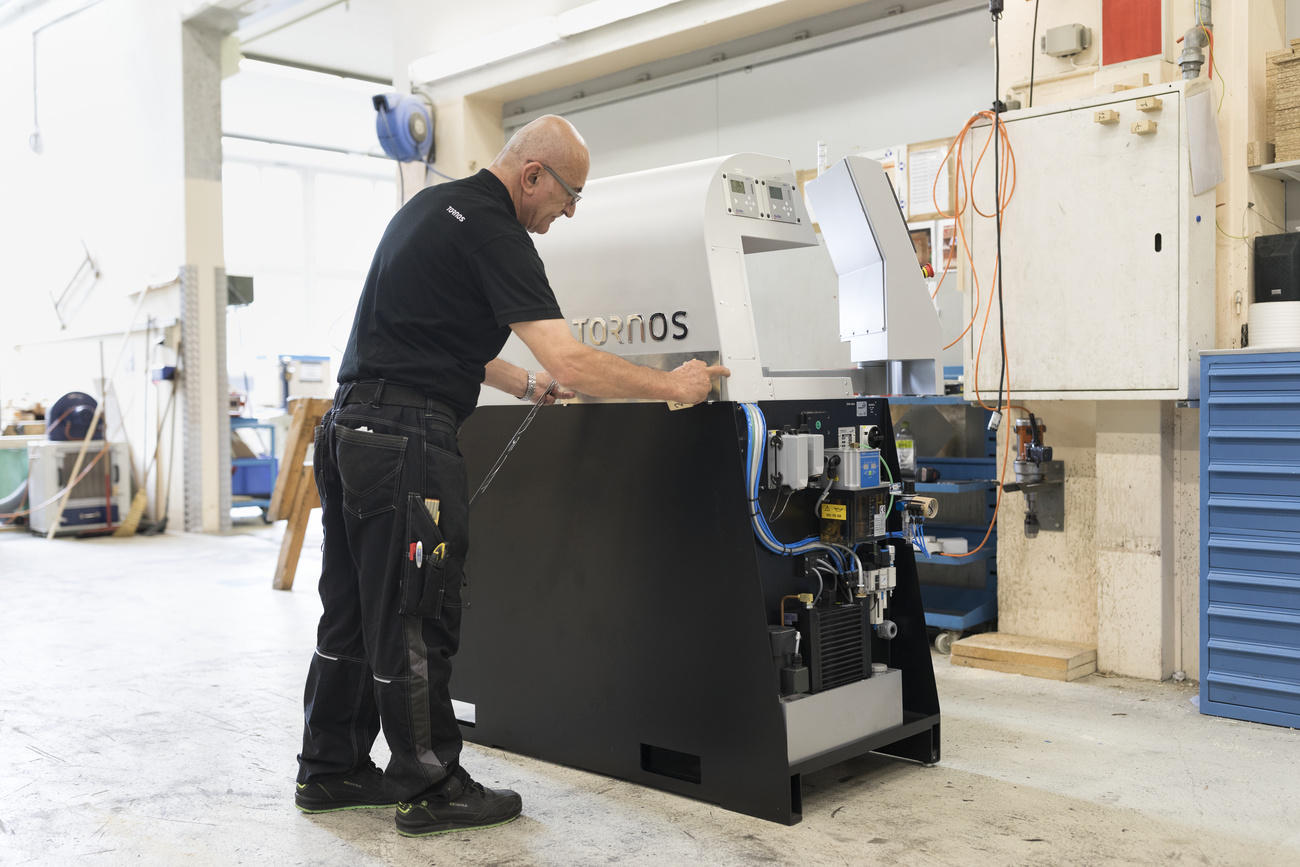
1192	57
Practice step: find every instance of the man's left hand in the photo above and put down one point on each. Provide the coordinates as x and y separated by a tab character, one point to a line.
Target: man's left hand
544	379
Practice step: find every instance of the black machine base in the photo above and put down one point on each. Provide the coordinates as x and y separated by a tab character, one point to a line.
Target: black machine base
619	604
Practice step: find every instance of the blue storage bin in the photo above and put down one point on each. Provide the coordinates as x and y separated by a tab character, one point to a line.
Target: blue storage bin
253	477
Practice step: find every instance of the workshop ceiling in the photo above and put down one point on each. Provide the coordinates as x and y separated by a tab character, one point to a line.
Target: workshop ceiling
349	37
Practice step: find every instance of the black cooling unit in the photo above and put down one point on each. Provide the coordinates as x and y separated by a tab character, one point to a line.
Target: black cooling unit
836	644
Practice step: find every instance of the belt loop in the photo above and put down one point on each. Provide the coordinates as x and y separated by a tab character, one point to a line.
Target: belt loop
379	395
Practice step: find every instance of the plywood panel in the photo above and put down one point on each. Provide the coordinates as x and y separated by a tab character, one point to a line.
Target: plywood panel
1016	654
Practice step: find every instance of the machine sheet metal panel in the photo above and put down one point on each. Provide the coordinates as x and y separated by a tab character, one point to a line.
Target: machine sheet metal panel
817	724
1250	536
653	268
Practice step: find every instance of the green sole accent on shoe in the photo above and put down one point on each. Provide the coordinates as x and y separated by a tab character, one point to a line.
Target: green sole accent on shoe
314	810
454	830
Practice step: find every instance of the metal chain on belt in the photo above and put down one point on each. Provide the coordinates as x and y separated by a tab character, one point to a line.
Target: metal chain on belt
514	441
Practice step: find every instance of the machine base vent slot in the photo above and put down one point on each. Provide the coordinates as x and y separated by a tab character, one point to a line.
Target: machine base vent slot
670	763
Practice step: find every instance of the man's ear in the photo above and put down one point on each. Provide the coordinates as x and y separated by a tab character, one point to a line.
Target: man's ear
530	177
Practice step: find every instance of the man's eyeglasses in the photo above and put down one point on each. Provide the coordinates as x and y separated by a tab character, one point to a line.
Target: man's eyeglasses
574	195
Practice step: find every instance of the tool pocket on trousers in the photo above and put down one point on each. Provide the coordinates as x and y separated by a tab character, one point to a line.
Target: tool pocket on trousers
370	467
431	577
445	478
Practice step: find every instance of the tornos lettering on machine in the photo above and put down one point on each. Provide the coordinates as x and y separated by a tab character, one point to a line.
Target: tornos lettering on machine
599	330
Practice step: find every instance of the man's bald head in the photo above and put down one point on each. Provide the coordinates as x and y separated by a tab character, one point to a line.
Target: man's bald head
548	142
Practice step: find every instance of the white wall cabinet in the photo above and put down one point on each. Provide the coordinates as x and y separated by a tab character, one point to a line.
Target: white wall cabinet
1108	257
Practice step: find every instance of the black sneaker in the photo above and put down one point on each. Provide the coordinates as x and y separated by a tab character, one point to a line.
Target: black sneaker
458	804
362	789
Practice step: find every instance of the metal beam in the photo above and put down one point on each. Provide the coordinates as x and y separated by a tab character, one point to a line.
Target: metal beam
323	70
756	58
280	16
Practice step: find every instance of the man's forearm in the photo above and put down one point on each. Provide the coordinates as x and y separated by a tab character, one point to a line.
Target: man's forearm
603	374
507	377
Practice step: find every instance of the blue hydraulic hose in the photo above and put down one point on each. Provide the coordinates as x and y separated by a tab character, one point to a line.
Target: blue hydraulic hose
756	441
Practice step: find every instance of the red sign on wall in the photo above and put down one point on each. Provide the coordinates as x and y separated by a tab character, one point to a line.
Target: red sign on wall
1130	29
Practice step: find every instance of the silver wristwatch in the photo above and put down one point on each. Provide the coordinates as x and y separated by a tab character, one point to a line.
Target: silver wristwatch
532	387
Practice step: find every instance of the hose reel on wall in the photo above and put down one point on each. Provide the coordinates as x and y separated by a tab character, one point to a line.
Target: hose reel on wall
404	124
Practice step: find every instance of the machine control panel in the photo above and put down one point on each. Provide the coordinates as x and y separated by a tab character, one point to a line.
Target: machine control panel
780	202
742	195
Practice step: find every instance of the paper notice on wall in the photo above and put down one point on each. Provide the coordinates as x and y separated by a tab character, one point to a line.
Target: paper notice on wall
923	167
1203	142
894	162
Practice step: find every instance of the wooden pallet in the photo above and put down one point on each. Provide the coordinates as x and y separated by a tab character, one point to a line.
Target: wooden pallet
1016	654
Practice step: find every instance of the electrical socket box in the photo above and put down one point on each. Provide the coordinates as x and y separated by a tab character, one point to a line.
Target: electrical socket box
1065	41
789	459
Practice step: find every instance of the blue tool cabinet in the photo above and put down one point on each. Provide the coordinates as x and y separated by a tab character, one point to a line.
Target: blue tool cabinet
955	610
253	479
1250	535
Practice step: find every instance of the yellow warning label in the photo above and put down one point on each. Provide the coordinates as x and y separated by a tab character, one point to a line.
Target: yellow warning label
835	511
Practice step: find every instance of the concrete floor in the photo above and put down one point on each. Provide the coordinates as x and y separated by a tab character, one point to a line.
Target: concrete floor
150	711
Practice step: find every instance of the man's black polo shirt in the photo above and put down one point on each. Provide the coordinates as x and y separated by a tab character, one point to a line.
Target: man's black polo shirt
453	270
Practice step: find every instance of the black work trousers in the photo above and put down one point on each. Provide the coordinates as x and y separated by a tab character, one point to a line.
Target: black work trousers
395	510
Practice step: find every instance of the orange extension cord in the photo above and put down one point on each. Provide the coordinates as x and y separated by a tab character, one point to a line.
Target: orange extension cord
965	197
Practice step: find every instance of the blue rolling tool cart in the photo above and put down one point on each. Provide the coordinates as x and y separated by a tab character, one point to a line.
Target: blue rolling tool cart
954	610
253	479
1250	535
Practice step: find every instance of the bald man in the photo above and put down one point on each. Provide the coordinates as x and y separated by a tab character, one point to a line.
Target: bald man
454	274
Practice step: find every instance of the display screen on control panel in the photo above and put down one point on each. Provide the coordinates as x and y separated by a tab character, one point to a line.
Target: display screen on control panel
781	201
742	200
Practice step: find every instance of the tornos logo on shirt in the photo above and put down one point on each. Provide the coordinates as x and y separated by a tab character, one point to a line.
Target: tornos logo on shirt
598	330
455	213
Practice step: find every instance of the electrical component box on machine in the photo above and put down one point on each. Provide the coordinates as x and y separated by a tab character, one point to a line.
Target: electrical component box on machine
792	458
856	468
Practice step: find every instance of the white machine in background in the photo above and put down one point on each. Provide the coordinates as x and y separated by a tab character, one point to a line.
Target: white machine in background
98	502
663	269
657	273
886	313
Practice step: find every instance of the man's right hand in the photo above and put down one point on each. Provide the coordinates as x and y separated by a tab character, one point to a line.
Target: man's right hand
695	380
